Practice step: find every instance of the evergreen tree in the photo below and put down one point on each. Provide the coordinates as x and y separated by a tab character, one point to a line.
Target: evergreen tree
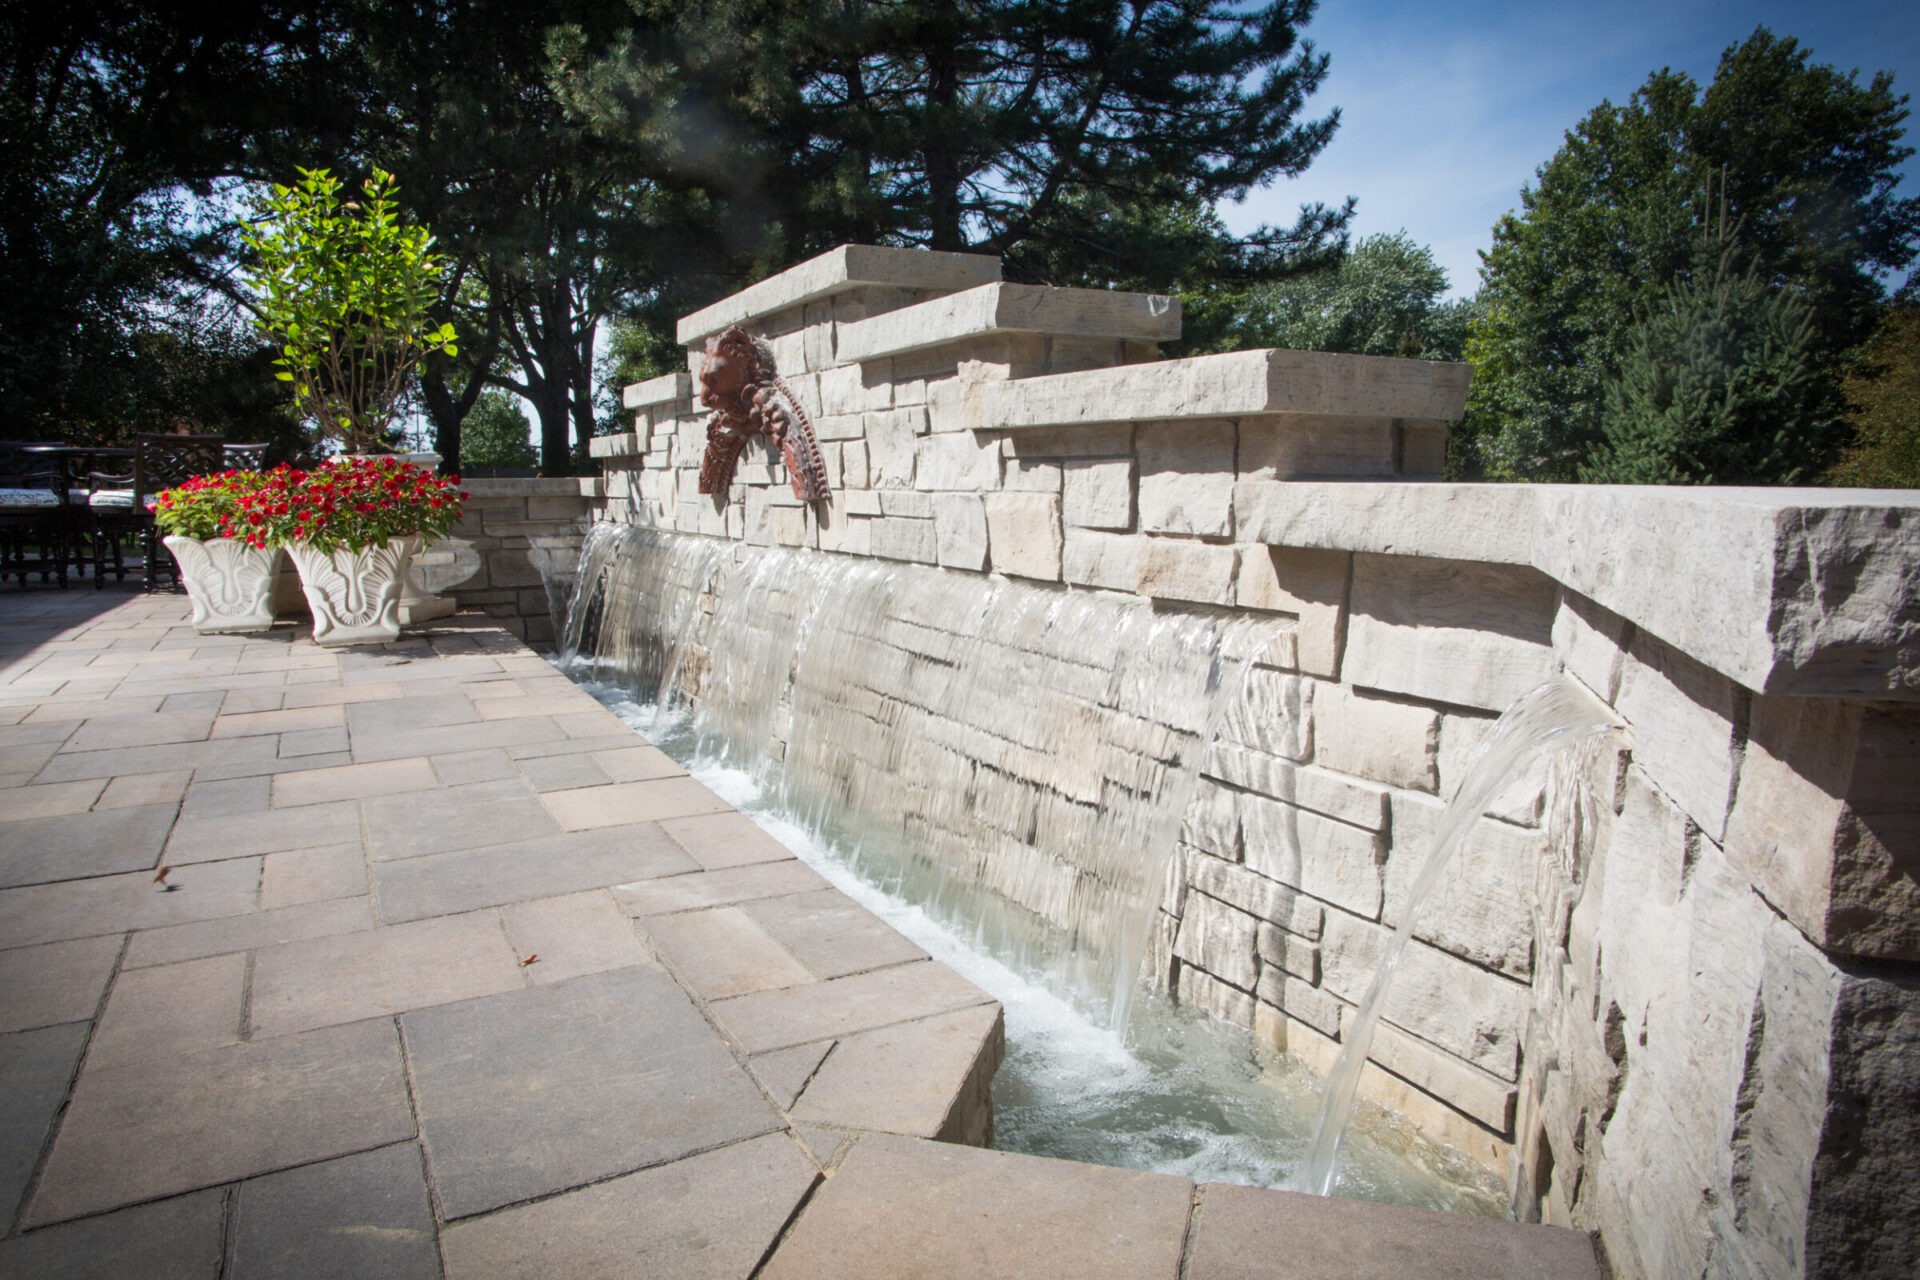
1884	393
495	434
1048	133
1802	159
1720	384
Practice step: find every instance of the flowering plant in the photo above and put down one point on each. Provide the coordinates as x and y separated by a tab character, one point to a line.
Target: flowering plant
205	506
357	503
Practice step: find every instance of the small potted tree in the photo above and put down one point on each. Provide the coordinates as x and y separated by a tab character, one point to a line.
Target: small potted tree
346	290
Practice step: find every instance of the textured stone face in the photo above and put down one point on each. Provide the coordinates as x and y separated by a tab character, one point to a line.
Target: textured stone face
1661	1046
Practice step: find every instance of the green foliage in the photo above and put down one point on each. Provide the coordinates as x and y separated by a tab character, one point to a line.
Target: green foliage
1384	298
1720	384
1884	393
494	434
205	507
120	125
346	288
1049	133
1796	160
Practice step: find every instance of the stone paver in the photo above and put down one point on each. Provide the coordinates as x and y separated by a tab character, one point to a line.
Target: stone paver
177	1239
904	1210
399	1006
164	1126
708	1217
1241	1231
361	1217
626	1071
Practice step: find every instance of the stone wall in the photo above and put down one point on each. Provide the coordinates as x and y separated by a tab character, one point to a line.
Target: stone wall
516	541
1708	1051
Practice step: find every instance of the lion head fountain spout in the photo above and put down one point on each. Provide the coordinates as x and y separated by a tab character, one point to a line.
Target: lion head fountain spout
739	383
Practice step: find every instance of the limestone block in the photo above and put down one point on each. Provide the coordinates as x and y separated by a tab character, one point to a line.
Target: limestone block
838	531
1520	800
901	538
1312	585
1480	909
847	426
1289	951
960	531
1331	860
1098	493
890	447
844	391
1177	569
788	525
1423	450
880	274
1027	475
997	308
819	334
1219	939
667	390
1232	385
1258	896
1023	531
896	502
1214	997
1471	1013
1213	823
1590	643
853	463
1186	477
619	445
1303	1001
959	463
1807	591
1270	713
1471	634
1361	804
1682	717
859	502
1109	560
1390	742
1490	523
1826	821
1315	446
1069	355
1860	1216
1114	441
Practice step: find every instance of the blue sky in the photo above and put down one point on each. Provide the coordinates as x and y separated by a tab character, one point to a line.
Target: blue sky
1447	109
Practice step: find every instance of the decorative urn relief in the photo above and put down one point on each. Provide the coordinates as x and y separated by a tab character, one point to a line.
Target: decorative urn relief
229	583
354	595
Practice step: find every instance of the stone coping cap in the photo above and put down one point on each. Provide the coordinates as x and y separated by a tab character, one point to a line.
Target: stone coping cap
1813	592
664	389
1235	384
1012	308
847	267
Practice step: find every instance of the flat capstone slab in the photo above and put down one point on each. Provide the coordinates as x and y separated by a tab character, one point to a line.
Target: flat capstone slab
450	975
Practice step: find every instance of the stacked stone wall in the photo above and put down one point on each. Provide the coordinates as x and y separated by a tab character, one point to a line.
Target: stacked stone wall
513	552
1631	1007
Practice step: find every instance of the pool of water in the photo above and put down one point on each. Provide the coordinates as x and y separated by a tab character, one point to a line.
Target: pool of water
1174	1093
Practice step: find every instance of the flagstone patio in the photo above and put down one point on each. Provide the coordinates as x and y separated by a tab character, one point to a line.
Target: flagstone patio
412	960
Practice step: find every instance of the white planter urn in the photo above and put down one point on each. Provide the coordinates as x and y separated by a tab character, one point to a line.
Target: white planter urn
354	595
229	583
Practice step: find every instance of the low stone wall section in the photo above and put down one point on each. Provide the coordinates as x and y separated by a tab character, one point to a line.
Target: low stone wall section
1686	1014
513	554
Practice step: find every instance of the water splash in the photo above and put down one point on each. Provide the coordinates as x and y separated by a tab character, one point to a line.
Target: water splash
1558	714
965	733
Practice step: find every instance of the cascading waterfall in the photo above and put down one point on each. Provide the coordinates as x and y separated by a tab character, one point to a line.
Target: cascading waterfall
1557	715
1013	764
969	734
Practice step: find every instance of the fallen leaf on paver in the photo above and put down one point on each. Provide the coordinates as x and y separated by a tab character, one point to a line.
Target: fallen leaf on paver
160	878
527	960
